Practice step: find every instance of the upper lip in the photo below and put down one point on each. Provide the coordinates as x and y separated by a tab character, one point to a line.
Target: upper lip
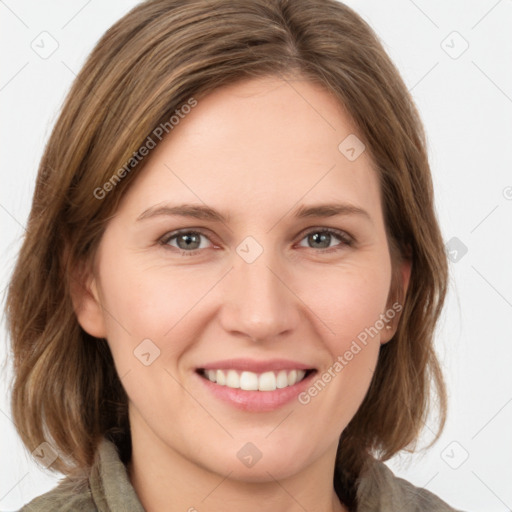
256	366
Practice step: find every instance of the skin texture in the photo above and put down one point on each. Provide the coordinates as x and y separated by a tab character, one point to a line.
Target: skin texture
255	151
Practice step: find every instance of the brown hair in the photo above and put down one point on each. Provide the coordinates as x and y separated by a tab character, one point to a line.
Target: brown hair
157	57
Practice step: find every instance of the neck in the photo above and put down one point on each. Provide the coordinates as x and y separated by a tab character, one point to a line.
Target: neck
166	480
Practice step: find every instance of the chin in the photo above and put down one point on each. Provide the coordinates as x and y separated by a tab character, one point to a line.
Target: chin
259	461
263	471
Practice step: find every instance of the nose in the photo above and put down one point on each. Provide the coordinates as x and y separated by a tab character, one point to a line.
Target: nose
258	300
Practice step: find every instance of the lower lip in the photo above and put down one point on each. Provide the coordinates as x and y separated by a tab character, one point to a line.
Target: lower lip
257	401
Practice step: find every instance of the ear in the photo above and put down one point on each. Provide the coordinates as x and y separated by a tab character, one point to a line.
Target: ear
86	301
396	299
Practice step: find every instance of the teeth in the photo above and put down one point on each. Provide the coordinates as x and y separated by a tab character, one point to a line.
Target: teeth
282	379
221	378
250	381
232	380
267	381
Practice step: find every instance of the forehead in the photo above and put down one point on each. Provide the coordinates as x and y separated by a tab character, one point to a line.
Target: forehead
261	144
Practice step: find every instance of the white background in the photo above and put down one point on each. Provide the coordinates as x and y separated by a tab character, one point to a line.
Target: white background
466	105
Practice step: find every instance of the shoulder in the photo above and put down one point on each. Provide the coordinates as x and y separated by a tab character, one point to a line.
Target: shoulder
105	487
379	490
69	495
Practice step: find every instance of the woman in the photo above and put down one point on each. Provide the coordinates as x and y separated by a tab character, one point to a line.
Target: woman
232	270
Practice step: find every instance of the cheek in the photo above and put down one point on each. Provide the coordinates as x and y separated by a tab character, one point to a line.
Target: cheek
149	313
157	303
349	305
348	302
150	302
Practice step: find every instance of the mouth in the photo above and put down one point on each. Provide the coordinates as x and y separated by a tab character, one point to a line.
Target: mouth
255	386
251	381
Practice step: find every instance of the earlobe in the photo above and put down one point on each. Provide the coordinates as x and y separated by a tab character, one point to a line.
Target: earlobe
87	304
387	333
400	285
405	270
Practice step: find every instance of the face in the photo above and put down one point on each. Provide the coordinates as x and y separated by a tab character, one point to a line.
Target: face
224	263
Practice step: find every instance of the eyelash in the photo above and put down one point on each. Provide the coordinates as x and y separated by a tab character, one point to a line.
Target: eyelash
344	238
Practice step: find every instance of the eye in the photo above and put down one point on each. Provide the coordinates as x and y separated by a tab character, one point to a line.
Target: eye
188	241
321	238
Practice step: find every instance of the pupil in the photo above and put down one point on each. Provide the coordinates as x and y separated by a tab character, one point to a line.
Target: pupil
187	239
322	238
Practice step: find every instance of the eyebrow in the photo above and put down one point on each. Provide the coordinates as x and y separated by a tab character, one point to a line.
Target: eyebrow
201	212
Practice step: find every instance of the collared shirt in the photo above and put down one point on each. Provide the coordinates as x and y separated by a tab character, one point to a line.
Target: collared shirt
108	489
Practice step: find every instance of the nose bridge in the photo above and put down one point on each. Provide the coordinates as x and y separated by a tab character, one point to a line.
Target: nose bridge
257	303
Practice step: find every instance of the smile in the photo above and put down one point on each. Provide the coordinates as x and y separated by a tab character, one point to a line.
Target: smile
251	381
